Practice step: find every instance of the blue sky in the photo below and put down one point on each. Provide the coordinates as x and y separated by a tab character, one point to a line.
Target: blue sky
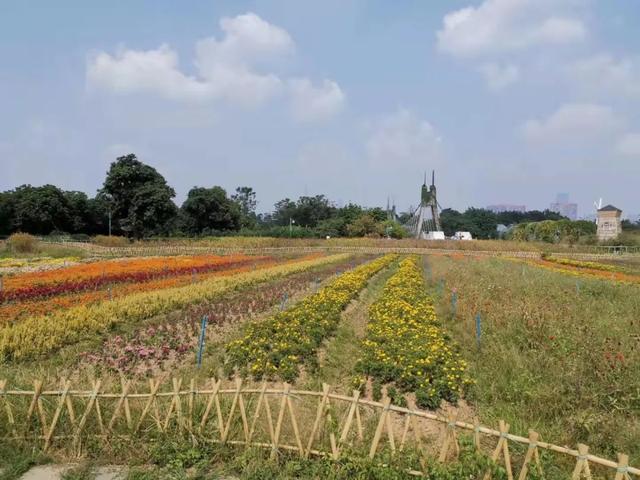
511	101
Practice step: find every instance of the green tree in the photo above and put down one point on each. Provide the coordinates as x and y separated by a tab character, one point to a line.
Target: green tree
284	210
245	198
365	226
40	210
142	200
312	210
452	221
80	218
207	210
6	213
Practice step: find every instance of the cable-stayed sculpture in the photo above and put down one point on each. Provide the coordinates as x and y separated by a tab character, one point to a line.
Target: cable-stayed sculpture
425	218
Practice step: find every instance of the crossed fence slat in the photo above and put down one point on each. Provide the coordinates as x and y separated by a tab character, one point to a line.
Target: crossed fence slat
245	416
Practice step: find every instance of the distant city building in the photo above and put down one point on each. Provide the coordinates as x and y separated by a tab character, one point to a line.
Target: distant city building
609	222
505	207
564	207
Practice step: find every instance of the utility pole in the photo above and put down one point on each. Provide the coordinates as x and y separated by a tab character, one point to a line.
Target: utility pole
291	222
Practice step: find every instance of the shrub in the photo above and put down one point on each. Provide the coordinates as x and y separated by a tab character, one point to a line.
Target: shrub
113	241
22	243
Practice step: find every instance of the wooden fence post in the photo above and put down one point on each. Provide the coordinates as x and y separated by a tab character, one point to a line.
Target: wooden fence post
56	415
449	436
622	470
7	406
532	453
380	427
322	405
582	464
352	411
83	420
502	447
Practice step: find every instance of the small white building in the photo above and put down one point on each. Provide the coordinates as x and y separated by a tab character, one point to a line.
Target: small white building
462	236
434	236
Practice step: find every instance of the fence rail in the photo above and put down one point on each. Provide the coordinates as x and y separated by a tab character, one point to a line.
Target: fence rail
596	253
321	423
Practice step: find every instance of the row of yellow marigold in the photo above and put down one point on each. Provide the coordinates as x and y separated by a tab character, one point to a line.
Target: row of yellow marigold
275	348
41	334
405	345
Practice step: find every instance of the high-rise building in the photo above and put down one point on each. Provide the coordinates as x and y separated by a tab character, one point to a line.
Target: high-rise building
564	207
505	207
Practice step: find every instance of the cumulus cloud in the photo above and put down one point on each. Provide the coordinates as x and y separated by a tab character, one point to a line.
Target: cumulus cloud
227	68
310	103
603	73
497	26
402	139
154	71
499	76
582	122
629	145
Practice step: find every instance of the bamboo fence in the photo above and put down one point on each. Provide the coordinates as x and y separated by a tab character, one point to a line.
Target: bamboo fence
278	418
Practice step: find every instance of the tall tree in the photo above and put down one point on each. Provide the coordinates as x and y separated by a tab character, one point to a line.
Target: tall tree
208	209
284	211
80	218
142	200
245	198
6	213
40	210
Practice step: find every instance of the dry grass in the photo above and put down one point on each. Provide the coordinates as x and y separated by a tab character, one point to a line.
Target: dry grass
558	356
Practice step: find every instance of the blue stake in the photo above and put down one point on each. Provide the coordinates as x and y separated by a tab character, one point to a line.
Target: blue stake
478	329
454	302
441	286
284	301
203	330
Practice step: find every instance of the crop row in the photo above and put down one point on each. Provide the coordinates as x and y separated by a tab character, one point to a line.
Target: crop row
14	311
581	264
406	345
277	346
159	347
39	290
38	335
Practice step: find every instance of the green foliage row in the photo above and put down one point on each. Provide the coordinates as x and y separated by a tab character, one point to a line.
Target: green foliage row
554	231
483	223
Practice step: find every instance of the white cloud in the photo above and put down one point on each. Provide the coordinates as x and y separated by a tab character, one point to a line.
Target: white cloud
229	68
582	122
604	74
497	26
154	71
499	76
310	103
402	139
225	67
629	145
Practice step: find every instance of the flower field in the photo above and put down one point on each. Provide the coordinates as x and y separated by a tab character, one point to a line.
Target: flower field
159	347
578	268
406	345
41	334
96	275
14	310
278	346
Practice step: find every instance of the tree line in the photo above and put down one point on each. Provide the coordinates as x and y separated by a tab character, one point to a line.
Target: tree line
136	201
